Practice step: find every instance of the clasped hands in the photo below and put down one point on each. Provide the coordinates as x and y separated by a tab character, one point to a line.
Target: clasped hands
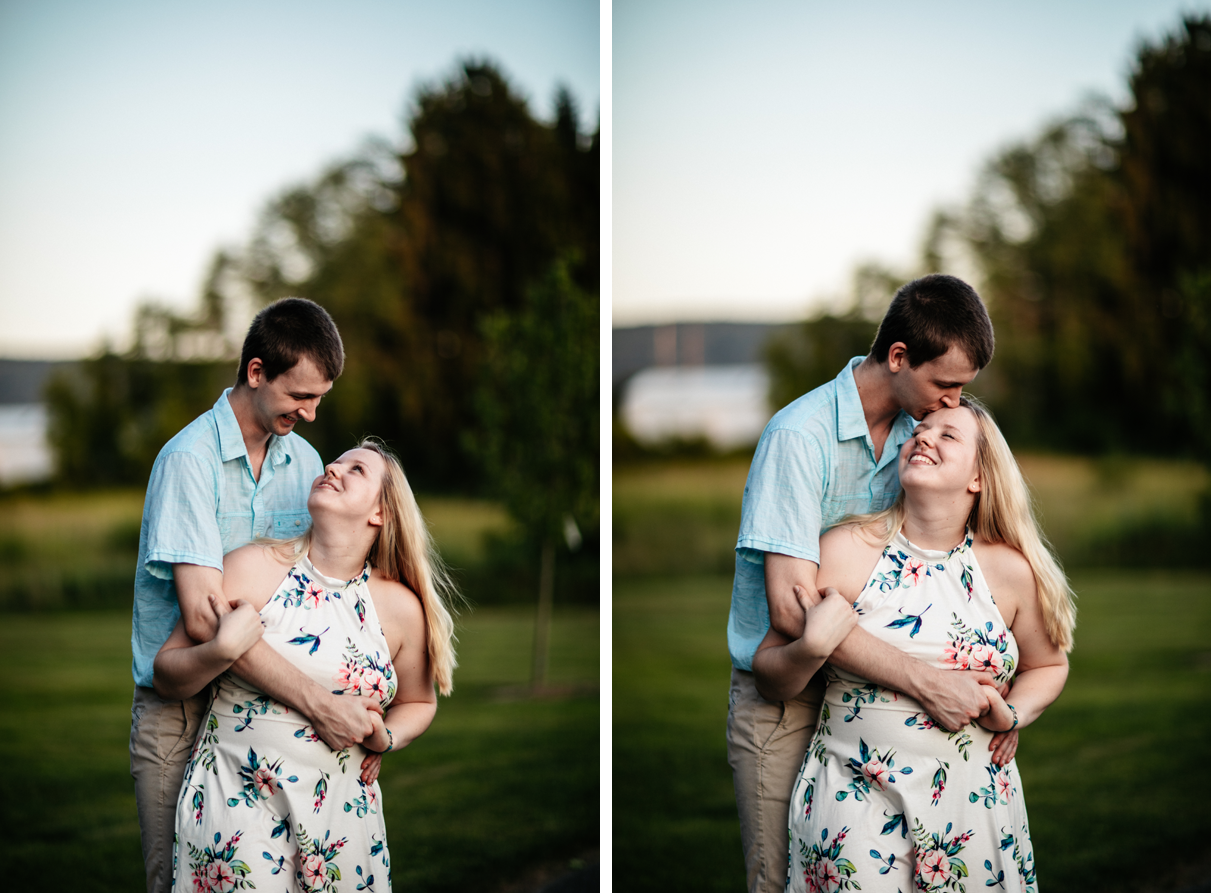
343	722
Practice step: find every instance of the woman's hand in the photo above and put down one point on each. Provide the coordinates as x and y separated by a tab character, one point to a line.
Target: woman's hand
828	622
1003	746
239	629
999	717
376	742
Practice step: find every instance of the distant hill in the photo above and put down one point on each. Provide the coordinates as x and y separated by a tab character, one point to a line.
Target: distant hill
21	381
689	344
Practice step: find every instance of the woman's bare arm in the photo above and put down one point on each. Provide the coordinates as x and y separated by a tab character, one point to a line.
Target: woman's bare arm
414	706
1042	666
184	667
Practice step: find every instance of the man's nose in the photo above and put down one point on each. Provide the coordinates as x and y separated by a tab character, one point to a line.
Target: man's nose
307	412
950	399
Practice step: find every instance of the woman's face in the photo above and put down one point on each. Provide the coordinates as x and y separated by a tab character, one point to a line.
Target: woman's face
941	456
351	487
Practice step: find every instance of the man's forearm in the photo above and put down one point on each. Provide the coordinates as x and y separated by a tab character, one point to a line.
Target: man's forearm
278	678
871	658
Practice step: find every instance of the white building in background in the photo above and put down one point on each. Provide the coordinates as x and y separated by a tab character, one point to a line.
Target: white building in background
726	405
24	453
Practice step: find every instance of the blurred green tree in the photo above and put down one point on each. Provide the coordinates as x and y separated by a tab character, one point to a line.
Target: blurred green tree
408	247
538	430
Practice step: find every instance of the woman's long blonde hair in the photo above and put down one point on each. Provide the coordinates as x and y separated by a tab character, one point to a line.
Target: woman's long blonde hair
1002	513
404	551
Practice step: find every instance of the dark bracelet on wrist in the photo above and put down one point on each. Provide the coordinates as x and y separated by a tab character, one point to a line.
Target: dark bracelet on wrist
1015	717
391	738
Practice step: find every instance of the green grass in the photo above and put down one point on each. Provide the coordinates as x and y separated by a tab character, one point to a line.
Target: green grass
681	516
79	550
1111	771
501	783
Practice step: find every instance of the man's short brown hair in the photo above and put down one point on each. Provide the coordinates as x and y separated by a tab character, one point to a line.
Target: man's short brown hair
286	331
932	313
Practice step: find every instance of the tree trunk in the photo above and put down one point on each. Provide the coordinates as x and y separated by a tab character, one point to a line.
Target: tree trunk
542	621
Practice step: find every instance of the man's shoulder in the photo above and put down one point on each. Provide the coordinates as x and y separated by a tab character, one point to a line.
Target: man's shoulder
199	438
814	414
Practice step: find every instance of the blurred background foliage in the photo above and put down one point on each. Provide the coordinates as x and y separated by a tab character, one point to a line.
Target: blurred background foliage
419	250
1091	244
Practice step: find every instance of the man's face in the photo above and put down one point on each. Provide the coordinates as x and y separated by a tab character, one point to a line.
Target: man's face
931	386
293	395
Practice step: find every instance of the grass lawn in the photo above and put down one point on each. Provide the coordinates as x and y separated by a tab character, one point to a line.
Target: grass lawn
1110	771
500	785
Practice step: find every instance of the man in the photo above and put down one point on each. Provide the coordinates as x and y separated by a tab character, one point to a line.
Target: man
829	454
236	472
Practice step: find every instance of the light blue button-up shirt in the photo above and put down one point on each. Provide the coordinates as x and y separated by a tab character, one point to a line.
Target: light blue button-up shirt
202	502
815	464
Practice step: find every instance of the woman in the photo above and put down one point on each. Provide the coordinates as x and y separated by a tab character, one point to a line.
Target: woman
887	799
358	604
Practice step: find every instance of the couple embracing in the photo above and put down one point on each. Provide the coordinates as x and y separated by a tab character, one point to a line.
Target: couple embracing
886	529
311	597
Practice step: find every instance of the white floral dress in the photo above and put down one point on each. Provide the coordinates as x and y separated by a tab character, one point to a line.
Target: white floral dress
888	800
265	803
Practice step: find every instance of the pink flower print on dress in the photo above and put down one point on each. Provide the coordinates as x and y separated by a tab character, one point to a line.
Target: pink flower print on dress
957	656
828	878
914	572
876	774
349	678
934	868
201	883
986	657
264	781
314	867
374	685
222	878
1005	785
313	595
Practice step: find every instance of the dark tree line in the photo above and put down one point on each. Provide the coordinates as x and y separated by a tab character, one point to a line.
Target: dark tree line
411	248
1093	246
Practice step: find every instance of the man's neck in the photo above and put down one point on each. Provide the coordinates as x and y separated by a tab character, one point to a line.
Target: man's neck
879	405
256	438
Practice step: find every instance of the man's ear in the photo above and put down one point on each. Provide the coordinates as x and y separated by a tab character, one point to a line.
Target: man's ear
256	372
897	356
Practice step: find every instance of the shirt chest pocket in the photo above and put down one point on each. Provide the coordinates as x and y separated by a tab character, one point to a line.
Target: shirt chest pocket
290	524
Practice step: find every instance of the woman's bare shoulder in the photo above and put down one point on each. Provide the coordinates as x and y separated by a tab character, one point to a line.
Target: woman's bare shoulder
847	556
396	603
847	541
252	572
1004	566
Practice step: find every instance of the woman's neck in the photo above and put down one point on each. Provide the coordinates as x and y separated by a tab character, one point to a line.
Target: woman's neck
936	525
339	553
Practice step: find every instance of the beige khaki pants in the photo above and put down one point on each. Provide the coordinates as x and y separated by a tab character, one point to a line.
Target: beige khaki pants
766	743
161	736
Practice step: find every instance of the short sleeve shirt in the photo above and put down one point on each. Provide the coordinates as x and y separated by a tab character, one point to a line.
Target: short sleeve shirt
202	502
815	464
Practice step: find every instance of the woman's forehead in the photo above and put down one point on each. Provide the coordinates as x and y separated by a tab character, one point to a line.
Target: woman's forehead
960	417
363	455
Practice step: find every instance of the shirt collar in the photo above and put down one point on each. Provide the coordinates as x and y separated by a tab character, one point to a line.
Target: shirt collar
851	420
231	439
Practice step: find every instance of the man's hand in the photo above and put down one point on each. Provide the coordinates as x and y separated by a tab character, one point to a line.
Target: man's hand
370	767
954	697
343	721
